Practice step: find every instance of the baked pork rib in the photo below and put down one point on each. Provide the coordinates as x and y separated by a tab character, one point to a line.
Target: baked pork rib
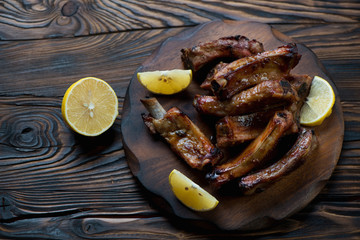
183	136
257	153
261	179
302	85
209	77
264	96
249	71
234	130
232	47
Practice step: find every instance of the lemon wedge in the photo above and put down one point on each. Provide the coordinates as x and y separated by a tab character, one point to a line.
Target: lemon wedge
190	193
165	82
90	106
319	103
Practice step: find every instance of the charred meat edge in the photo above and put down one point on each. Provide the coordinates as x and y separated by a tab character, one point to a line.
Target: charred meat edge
209	77
249	71
261	179
183	136
232	47
264	96
256	154
235	130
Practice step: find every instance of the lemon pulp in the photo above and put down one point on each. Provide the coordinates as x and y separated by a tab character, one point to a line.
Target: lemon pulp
90	106
165	82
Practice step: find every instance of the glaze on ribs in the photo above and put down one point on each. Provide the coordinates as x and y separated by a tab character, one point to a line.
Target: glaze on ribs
233	47
302	85
264	96
207	83
249	71
234	130
183	136
261	179
257	153
258	100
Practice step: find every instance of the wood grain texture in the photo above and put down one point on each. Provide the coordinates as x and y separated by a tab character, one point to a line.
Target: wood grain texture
35	19
59	191
34	207
60	62
67	59
309	224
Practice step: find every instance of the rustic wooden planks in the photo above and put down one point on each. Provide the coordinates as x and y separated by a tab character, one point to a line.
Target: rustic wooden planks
48	19
67	59
50	188
50	177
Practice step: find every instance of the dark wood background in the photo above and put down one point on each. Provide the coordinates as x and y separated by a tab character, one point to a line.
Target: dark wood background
55	184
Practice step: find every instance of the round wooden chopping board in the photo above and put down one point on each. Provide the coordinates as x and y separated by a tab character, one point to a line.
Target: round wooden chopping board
151	160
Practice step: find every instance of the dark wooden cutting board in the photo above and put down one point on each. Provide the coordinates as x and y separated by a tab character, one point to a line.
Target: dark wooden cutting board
151	160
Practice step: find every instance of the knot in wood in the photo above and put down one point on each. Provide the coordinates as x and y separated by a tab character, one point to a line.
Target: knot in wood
7	208
93	226
30	132
69	9
27	134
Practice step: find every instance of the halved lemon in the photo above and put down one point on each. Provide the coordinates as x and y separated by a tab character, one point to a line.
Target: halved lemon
190	193
90	106
165	82
319	103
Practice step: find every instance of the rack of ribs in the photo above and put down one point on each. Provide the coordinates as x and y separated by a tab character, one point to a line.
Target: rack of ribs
235	130
256	182
264	96
248	71
232	47
183	136
254	99
257	153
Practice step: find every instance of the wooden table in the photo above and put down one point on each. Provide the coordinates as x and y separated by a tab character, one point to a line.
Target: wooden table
55	184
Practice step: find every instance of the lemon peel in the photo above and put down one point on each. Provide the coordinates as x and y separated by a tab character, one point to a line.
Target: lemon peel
165	82
190	193
319	103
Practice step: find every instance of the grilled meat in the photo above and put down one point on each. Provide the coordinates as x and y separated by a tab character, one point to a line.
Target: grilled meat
249	71
233	47
207	83
234	130
184	137
261	179
264	96
302	85
257	153
258	100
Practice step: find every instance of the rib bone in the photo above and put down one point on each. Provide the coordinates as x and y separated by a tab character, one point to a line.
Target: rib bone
261	179
183	136
264	96
256	153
